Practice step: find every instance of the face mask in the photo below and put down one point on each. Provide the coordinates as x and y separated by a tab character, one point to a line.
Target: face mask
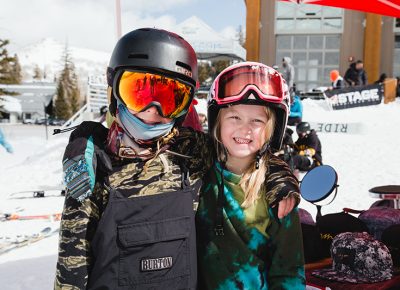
139	130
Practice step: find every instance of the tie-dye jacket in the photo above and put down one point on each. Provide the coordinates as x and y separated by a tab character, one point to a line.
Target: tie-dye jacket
257	251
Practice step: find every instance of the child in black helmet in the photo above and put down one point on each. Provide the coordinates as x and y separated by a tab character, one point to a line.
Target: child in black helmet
308	149
128	219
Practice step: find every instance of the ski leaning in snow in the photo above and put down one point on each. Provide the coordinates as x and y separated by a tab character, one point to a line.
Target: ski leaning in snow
37	193
21	241
15	216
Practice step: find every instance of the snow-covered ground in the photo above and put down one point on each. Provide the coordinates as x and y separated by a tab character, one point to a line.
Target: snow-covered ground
367	156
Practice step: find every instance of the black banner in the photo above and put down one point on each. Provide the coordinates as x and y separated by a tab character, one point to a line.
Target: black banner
355	96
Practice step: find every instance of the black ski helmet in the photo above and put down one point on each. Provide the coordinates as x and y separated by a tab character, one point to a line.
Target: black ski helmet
303	127
155	51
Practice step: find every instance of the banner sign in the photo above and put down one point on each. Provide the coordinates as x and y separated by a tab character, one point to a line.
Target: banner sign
355	96
344	127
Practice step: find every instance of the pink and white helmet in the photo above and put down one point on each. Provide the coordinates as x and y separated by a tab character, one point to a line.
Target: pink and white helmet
251	83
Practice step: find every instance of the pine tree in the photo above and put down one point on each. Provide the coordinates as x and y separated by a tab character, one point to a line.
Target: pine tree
75	93
16	72
10	70
240	36
204	72
68	94
1	106
37	73
61	107
220	65
4	62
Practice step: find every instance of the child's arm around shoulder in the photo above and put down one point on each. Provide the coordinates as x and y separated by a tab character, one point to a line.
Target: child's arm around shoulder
84	158
281	187
198	146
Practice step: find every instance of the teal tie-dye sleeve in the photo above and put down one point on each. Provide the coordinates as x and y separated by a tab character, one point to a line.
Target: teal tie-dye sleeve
287	258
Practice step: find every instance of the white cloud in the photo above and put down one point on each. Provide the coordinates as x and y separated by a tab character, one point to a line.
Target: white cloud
229	32
84	23
154	6
130	21
91	23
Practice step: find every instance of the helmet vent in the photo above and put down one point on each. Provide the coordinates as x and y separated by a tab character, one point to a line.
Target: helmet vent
135	55
184	65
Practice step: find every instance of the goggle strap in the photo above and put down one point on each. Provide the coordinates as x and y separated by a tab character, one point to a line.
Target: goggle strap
110	76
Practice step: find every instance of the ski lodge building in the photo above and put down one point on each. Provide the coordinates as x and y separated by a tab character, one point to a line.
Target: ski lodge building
321	38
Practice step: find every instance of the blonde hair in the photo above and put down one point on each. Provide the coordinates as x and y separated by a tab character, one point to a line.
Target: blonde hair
252	181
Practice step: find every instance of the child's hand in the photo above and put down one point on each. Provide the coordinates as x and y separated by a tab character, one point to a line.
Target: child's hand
285	206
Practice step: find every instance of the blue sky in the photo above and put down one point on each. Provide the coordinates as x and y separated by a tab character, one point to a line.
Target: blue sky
91	23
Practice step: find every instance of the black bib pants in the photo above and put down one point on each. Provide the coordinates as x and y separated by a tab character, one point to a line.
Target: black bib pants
146	242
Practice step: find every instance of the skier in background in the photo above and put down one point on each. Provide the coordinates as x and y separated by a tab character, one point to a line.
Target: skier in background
307	148
4	143
356	75
296	108
288	72
337	80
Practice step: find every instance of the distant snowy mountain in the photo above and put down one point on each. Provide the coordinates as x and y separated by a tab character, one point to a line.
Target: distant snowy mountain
48	56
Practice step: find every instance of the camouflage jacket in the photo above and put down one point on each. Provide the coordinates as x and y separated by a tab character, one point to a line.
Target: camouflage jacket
80	219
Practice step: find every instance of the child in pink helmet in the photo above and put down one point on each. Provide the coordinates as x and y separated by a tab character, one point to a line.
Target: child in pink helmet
241	242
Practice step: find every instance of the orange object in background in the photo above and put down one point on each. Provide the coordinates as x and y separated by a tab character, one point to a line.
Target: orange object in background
389	90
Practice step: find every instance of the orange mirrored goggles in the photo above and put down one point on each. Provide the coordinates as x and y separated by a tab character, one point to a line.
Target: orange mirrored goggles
141	90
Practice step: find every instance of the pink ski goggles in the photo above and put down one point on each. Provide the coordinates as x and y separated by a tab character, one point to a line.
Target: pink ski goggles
236	83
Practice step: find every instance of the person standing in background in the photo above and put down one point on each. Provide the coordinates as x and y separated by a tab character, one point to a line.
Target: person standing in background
362	74
337	80
308	153
381	79
351	75
296	108
201	108
356	75
288	71
4	143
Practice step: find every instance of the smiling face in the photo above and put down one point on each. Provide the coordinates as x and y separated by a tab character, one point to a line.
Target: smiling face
243	133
